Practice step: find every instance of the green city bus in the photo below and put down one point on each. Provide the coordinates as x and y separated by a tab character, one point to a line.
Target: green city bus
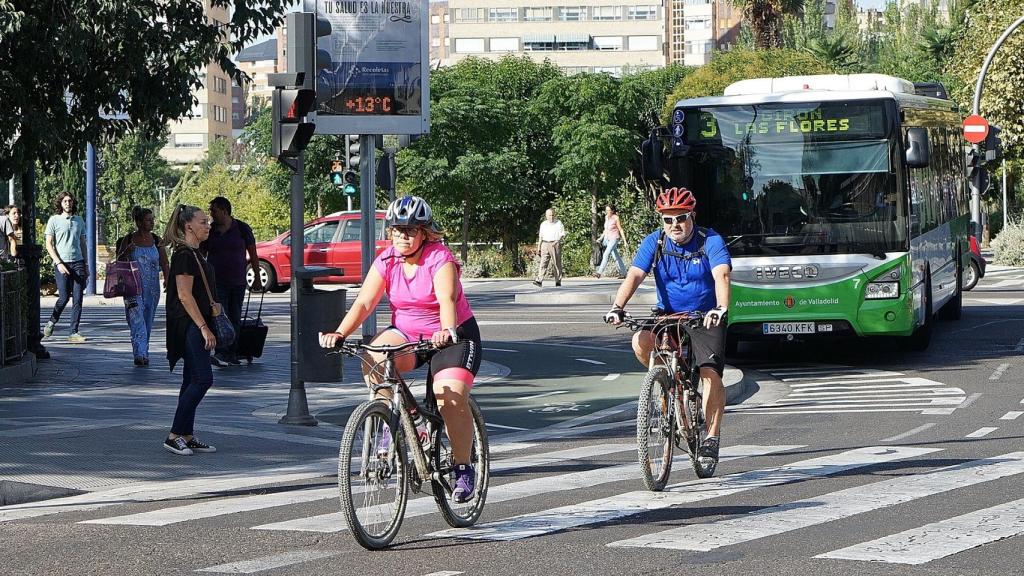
843	200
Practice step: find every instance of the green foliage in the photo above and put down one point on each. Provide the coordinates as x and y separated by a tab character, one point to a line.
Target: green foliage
63	63
250	199
491	262
728	67
133	173
765	19
1009	245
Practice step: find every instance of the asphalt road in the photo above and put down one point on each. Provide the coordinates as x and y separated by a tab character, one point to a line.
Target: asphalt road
850	458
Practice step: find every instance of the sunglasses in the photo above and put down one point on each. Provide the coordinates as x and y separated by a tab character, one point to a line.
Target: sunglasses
680	219
407	231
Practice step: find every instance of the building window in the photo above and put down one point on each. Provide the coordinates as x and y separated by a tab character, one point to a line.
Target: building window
220	113
692	24
570	70
572	13
608	42
189	140
220	85
447	41
697	2
539	14
504	44
197	111
469	45
607	12
447	18
699	47
644	43
649	12
538	45
435	42
435	19
503	14
613	70
469	15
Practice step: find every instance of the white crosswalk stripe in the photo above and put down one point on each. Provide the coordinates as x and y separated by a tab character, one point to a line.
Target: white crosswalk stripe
828	390
940	539
829	507
628	504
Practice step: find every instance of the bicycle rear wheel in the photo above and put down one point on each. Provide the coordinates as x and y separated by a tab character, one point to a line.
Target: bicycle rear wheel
373	475
654	423
694	412
467	513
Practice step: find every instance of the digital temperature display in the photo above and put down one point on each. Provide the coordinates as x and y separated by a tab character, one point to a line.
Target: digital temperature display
370	105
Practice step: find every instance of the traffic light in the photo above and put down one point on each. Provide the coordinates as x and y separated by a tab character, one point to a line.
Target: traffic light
291	133
352	151
351	186
337	174
993	144
976	173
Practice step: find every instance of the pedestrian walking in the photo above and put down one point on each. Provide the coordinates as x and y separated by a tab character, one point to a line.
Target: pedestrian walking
143	247
611	238
189	323
549	245
10	232
65	242
230	245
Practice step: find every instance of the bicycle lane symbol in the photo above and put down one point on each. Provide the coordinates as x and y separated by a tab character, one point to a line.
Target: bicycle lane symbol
558	407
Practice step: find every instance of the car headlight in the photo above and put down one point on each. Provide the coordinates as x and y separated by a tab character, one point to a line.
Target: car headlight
882	290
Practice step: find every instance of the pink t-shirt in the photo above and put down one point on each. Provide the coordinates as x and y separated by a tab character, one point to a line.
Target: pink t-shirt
611	227
414	307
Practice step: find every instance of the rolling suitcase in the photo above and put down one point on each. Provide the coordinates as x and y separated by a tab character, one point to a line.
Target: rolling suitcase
252	333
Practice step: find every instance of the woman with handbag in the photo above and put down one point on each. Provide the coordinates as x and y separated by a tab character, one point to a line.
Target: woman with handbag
190	323
143	248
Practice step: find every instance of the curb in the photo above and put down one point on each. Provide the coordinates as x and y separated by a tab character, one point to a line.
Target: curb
542	296
21	372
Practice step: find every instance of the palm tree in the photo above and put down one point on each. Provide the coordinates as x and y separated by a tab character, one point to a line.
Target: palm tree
765	19
834	49
937	42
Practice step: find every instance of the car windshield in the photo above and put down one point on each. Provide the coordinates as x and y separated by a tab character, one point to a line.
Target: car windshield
813	178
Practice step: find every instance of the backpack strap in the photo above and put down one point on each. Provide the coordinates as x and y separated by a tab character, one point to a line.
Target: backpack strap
660	250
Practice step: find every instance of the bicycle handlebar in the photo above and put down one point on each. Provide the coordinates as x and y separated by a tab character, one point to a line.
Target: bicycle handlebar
353	349
691	319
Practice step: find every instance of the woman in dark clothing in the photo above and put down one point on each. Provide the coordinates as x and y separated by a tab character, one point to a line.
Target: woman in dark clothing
189	316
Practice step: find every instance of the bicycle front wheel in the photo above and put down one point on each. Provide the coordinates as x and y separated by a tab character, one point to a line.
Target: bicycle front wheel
373	475
461	515
654	422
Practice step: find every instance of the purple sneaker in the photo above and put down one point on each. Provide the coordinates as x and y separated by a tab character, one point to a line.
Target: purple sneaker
465	481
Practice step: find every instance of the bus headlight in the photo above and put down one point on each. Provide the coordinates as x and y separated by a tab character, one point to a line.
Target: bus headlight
882	290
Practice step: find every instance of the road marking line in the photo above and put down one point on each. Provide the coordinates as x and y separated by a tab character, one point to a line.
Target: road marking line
909	433
589	361
225	506
541	396
940	539
498	350
613	376
834	410
1012	415
981	432
493	425
880	375
999	372
270	562
632	503
829	507
444	573
884	393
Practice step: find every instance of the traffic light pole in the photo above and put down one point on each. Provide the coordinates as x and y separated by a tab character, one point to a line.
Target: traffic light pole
368	210
975	191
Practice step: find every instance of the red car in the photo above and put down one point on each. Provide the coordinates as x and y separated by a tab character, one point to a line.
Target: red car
334	241
976	269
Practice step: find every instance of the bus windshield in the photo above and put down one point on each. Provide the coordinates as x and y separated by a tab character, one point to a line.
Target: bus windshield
792	179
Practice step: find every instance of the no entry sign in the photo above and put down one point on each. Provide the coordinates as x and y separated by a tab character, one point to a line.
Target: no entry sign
975	129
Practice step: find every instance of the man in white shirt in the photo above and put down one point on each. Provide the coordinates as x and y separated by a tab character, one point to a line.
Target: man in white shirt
550	246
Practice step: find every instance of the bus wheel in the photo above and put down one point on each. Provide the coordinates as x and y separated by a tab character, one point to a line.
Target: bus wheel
922	337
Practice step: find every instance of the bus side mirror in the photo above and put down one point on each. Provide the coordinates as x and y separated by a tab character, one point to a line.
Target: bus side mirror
917	148
651	158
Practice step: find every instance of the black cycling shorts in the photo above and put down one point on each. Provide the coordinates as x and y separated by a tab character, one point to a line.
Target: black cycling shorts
463	354
708	345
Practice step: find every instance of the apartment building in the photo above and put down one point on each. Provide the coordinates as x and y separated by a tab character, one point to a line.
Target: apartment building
697	28
210	118
440	42
589	36
258	61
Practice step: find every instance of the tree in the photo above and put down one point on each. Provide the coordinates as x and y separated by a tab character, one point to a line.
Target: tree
250	199
133	173
64	62
765	18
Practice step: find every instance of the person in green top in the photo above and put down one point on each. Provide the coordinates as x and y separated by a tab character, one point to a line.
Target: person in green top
66	244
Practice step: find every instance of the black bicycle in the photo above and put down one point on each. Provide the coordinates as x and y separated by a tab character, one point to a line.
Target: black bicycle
670	409
374	475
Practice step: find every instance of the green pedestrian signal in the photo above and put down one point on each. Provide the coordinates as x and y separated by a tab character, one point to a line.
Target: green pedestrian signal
351	183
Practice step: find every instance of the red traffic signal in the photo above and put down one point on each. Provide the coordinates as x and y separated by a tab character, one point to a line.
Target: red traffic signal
290	134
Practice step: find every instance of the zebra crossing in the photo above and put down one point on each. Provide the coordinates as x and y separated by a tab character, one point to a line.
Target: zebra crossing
842	389
608	467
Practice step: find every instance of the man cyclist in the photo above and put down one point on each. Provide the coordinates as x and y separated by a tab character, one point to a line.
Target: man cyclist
691	267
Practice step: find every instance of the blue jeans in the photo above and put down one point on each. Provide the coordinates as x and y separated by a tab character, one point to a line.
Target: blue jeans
196	379
231	299
611	248
70	286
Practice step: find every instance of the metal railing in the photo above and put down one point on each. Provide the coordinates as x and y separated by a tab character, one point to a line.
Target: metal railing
13	307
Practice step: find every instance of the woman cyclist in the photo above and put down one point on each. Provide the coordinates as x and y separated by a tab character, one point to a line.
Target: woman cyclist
421	278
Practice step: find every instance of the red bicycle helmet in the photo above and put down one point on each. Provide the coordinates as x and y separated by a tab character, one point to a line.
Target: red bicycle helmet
675	199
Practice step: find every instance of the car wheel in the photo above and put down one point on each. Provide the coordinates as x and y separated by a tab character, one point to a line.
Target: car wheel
267	277
971	275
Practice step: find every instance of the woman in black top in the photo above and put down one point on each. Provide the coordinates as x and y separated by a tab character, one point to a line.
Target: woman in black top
189	314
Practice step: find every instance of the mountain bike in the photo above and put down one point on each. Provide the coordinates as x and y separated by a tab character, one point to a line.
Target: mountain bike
374	472
670	409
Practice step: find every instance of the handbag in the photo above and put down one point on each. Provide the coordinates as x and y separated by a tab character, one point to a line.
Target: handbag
124	278
596	251
223	329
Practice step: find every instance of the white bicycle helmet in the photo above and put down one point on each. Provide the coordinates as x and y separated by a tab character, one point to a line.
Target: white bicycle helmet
410	211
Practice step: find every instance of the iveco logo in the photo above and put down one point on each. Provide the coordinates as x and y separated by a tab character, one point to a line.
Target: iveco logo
797	272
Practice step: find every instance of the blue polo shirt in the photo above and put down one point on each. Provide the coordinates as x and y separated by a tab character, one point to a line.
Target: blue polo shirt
67	232
684	284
